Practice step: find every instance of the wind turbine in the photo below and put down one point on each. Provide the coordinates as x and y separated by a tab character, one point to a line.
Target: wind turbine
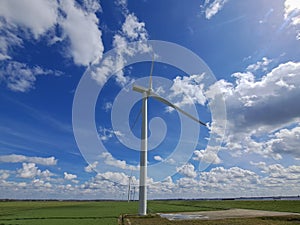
148	92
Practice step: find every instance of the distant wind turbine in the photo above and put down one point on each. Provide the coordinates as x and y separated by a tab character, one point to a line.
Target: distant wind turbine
129	183
148	92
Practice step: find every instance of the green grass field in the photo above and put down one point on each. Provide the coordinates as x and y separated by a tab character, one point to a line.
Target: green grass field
59	213
107	212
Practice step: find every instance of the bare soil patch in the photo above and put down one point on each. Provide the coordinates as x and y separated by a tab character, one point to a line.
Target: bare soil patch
231	216
224	214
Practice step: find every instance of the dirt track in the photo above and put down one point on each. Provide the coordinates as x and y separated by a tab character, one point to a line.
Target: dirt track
224	214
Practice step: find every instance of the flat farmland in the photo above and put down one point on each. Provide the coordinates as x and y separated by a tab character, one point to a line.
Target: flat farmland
107	212
64	212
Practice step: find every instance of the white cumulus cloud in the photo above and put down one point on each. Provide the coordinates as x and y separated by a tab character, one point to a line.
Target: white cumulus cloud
36	20
286	141
79	25
91	167
4	174
158	158
188	90
259	107
132	30
106	133
292	11
69	176
212	7
110	160
30	170
13	158
208	155
82	30
21	77
260	65
37	16
187	170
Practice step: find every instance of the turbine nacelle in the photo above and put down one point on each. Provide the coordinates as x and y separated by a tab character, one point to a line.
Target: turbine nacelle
141	89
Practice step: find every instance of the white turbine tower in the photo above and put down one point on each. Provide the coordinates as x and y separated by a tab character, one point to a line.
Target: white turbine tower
148	92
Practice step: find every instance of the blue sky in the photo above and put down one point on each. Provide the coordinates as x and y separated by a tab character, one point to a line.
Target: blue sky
252	49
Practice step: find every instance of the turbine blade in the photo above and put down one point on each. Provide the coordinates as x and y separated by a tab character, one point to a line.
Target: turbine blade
136	119
151	71
157	97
